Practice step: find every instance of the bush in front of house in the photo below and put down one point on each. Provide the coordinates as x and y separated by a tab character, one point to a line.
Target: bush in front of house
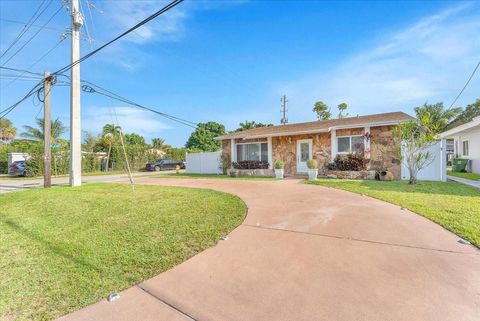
250	164
279	164
312	164
349	162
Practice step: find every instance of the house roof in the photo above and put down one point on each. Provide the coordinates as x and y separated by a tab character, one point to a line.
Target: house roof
320	126
465	127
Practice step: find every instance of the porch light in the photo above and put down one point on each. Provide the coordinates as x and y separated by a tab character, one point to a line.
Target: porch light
289	139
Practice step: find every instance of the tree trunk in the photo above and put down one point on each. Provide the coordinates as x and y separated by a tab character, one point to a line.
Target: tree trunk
108	156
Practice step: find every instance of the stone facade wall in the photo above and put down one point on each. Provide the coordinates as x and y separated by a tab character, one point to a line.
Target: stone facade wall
227	149
285	148
350	131
384	153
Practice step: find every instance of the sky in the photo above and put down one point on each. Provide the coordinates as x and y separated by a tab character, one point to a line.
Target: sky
230	61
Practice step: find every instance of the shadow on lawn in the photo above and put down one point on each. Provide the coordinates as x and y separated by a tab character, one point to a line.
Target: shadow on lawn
425	187
56	249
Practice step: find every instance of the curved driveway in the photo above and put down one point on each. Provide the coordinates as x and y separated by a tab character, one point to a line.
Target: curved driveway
307	252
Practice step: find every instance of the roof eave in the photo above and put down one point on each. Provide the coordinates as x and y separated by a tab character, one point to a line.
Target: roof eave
323	130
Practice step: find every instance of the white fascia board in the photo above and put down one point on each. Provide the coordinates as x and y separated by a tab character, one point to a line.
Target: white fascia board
455	131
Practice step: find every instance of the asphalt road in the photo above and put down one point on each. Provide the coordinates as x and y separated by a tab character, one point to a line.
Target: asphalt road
19	184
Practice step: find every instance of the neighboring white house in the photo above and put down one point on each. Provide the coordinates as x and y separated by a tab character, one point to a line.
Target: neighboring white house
467	142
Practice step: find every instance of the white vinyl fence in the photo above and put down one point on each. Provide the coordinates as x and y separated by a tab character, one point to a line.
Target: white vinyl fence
437	170
203	163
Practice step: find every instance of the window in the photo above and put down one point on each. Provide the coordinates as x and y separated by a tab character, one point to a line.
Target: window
465	148
350	144
252	151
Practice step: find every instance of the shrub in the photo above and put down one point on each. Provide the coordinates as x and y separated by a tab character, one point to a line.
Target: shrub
250	164
332	166
279	164
224	163
350	162
312	164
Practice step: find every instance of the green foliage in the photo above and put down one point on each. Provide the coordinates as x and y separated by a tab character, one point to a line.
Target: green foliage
417	137
178	154
342	110
225	163
250	125
57	129
322	110
437	116
7	131
134	139
470	112
202	138
312	164
279	164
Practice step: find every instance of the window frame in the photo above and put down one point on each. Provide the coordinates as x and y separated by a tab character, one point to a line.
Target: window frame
350	143
259	144
465	150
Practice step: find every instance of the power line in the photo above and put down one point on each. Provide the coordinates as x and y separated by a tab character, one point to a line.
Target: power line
31	24
466	84
37	61
27	26
8	110
22	70
89	89
34	35
153	16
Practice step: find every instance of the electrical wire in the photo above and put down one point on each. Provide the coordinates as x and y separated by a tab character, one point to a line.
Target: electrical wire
102	91
32	91
153	16
31	24
466	84
36	62
22	70
27	26
34	35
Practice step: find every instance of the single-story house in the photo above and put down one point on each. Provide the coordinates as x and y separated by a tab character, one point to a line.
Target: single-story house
323	140
466	140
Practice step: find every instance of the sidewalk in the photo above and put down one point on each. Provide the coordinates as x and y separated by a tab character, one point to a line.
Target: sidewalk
465	181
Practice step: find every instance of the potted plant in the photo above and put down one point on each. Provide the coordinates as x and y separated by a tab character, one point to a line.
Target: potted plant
279	169
312	169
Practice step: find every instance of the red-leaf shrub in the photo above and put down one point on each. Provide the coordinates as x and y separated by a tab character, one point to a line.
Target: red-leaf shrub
350	162
250	164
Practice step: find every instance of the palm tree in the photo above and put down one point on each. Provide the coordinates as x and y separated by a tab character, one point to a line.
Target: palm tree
109	133
439	116
159	143
57	129
7	131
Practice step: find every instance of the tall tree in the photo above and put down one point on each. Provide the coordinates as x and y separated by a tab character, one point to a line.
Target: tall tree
250	124
134	139
342	110
467	115
7	131
322	110
57	129
110	132
437	114
202	138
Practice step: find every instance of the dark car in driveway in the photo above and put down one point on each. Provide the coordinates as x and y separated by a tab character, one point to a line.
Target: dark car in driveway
18	168
164	164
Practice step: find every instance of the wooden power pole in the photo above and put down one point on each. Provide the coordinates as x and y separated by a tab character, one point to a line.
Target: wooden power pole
47	131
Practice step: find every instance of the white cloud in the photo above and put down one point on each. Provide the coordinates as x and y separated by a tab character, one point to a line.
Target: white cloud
129	118
429	61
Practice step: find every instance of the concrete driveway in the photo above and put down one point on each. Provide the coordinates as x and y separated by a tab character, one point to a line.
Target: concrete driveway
307	252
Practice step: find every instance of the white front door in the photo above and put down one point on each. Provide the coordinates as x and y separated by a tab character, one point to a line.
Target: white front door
304	153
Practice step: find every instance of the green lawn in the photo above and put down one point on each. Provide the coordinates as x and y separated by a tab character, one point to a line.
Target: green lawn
64	248
464	175
183	175
452	205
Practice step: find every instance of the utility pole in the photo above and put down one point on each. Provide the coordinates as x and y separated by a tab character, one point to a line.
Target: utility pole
47	131
75	129
284	110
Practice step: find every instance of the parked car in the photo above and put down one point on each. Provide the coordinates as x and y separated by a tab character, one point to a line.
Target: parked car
164	164
18	168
